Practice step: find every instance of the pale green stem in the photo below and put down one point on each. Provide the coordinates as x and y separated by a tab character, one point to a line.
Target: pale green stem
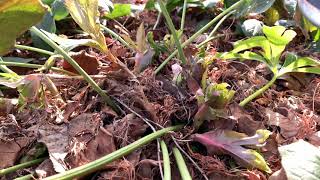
20	166
26	177
198	33
259	92
166	161
183	169
173	31
184	12
157	21
115	35
5	68
29	48
76	66
101	163
35	66
219	23
210	39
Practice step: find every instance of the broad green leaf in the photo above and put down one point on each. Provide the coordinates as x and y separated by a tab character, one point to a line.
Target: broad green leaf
290	57
231	142
302	62
86	14
69	44
253	6
272	15
59	10
278	35
247	55
47	2
47	24
313	70
257	41
17	16
119	10
300	160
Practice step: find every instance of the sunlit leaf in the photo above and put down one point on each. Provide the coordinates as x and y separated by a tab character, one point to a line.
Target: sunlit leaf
119	10
302	62
278	35
86	14
17	16
300	160
313	70
247	55
69	44
290	57
257	41
231	142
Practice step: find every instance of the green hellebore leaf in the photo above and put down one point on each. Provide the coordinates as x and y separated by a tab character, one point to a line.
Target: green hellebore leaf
59	10
231	142
251	6
69	44
86	14
257	41
17	16
247	55
300	160
47	24
119	10
278	35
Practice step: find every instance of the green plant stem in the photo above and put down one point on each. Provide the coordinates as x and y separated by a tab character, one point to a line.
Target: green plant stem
100	163
210	39
219	23
173	30
35	66
5	68
29	48
166	161
115	35
20	166
76	66
26	177
183	17
183	169
259	92
198	33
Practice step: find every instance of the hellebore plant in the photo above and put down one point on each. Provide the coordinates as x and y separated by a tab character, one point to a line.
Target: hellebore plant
273	43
